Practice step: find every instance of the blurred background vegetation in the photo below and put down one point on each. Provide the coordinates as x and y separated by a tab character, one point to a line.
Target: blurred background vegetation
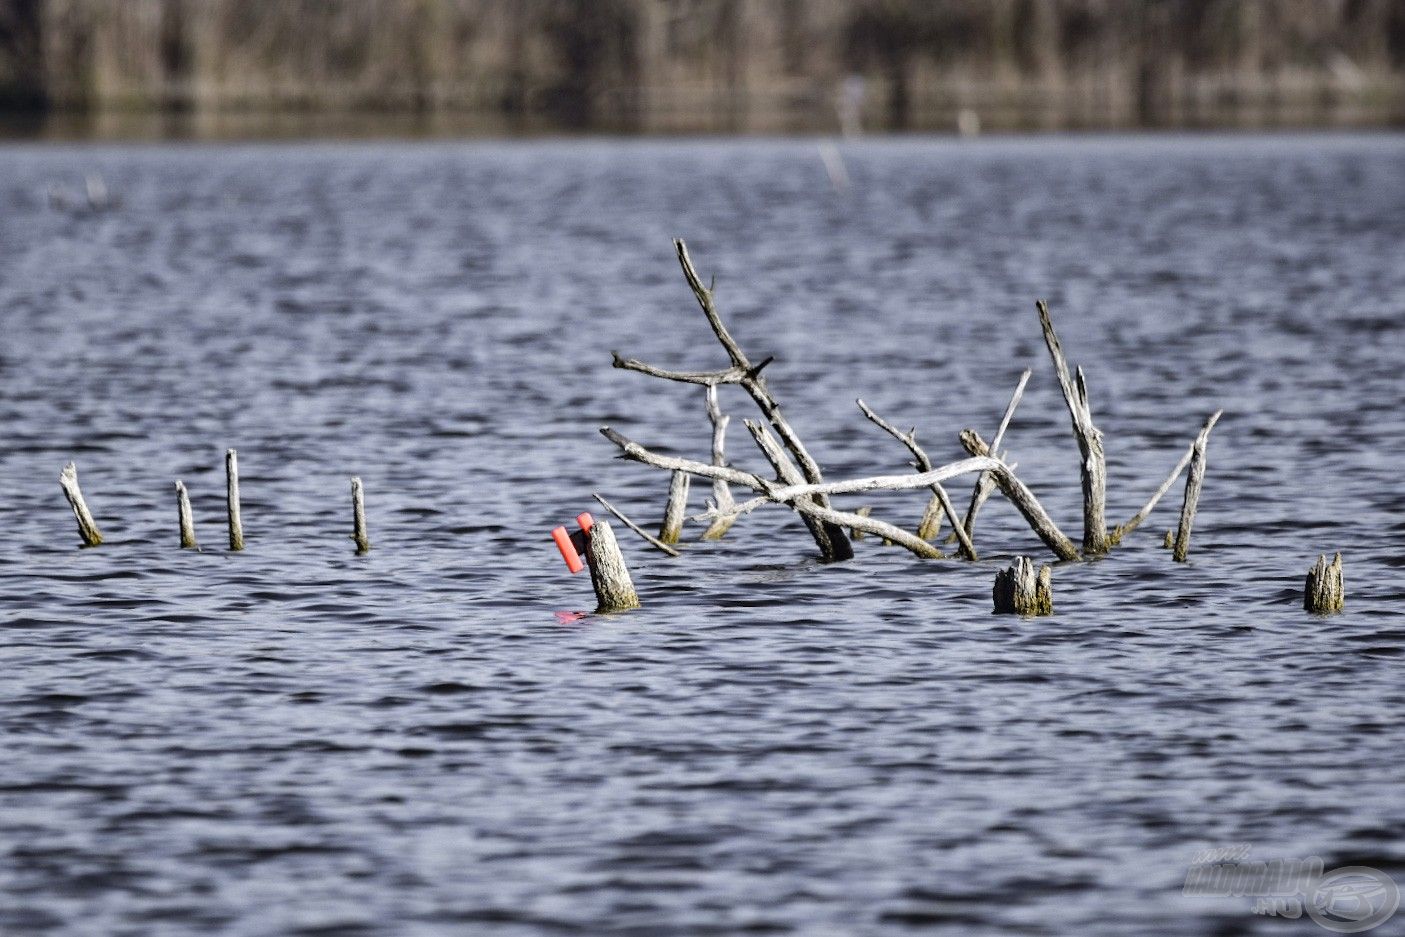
237	67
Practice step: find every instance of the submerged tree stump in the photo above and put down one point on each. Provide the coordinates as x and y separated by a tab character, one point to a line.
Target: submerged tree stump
87	527
1019	590
608	573
1324	593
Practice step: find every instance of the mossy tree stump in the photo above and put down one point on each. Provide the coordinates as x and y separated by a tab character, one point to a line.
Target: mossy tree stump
1019	590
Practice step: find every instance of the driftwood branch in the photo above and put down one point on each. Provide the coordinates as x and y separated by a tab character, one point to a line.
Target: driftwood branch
1193	481
1022	498
741	372
985	484
909	439
1135	520
231	499
671	528
771	492
649	538
721	494
830	540
1093	464
358	518
608	573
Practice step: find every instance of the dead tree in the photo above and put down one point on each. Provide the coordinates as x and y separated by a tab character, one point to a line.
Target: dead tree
796	480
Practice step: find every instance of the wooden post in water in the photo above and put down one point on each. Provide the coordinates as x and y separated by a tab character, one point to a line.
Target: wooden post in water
1020	591
671	530
358	518
231	496
87	527
608	574
187	521
1193	482
1324	593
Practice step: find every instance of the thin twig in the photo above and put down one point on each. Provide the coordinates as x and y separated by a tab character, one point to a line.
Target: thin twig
985	484
651	540
909	439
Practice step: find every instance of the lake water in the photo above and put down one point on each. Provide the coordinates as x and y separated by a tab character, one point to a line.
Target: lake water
426	740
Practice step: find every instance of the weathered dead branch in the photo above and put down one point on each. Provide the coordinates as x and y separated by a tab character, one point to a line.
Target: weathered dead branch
1093	464
185	518
231	499
830	540
87	527
1022	498
648	538
608	573
721	494
1135	520
358	518
671	528
924	464
985	484
796	495
1194	479
741	372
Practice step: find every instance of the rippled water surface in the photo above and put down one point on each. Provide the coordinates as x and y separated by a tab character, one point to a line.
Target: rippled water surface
425	740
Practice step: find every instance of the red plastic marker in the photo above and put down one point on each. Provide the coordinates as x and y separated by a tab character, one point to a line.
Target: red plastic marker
572	545
568	549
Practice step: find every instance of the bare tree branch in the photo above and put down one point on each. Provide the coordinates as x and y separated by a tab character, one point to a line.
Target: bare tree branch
909	439
651	540
1093	463
1023	499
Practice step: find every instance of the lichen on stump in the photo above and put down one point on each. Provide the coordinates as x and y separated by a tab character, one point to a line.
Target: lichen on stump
1019	590
1324	593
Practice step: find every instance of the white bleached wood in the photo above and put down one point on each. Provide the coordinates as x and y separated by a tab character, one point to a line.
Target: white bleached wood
830	540
231	499
614	590
721	493
185	518
671	528
87	527
1195	478
648	538
1023	499
924	464
1093	463
980	493
358	518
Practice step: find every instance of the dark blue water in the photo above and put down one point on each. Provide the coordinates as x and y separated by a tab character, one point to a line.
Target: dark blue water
296	741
